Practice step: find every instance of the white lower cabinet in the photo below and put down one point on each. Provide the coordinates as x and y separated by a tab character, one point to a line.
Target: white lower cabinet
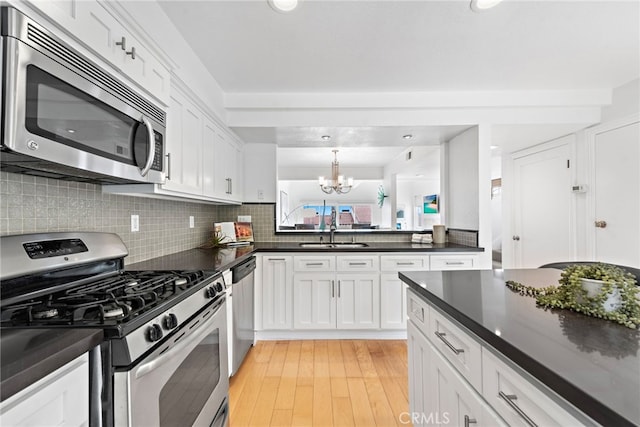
517	400
393	302
60	398
462	382
276	292
330	301
314	305
453	399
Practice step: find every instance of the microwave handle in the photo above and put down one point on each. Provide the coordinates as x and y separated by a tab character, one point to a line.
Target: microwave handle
152	147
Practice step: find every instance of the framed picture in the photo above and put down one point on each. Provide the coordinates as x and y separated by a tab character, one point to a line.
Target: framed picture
284	207
430	204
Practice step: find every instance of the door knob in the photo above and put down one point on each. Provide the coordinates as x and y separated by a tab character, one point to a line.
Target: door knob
516	238
601	224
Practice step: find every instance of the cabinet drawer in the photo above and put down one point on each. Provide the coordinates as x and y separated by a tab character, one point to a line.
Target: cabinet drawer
518	400
314	263
418	311
404	262
358	263
457	346
453	262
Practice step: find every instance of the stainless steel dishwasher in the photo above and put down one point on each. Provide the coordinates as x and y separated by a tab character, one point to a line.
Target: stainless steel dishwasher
243	322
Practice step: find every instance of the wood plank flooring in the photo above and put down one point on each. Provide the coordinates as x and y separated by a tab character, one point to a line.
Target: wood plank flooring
321	383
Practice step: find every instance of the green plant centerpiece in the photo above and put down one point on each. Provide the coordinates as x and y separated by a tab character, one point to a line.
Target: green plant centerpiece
615	299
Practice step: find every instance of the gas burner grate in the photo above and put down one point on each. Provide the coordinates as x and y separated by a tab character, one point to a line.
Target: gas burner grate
107	301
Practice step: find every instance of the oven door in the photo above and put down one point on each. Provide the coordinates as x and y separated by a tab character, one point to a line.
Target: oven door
64	115
183	382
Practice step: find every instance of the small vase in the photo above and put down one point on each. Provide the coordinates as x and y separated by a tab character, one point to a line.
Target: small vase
592	286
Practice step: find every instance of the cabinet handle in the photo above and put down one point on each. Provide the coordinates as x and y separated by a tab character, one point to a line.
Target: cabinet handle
275	259
132	52
357	263
468	421
509	398
442	336
418	312
454	262
339	286
333	289
312	264
404	263
122	43
230	186
168	156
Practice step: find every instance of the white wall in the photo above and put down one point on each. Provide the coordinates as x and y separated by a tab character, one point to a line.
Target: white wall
626	100
410	198
260	169
462	177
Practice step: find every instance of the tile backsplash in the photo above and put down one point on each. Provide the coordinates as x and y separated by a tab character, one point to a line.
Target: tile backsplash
36	205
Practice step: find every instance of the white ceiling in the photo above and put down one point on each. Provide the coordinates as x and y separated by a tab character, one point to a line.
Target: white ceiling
385	46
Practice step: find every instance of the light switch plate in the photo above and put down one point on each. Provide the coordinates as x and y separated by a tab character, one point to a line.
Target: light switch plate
135	223
244	218
192	221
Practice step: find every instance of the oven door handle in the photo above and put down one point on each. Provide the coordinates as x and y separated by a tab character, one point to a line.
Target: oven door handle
186	341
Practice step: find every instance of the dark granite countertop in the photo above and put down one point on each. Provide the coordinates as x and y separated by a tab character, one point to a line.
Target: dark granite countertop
592	363
30	354
223	259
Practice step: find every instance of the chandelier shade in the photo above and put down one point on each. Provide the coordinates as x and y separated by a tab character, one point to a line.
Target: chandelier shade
337	182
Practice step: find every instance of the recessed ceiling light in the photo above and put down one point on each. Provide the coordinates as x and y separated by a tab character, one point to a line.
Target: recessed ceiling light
407	136
494	147
283	6
325	137
71	130
482	5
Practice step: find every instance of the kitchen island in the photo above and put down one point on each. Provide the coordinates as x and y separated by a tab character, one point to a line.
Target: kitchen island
581	362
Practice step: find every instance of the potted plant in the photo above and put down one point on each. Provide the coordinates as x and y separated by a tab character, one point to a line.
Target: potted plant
598	290
217	240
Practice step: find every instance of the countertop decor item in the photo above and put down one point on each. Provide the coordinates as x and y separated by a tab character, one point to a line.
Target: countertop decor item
613	298
439	234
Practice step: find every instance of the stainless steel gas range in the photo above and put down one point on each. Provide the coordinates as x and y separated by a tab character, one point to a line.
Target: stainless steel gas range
164	360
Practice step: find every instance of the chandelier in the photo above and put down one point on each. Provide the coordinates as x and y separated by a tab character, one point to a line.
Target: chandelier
337	182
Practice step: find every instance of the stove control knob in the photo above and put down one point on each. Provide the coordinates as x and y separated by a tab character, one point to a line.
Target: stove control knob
170	321
154	333
211	292
219	287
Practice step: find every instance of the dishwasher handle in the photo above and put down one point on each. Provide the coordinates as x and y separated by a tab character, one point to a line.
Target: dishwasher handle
241	271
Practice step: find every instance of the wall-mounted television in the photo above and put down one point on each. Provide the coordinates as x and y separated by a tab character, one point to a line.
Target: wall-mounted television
431	204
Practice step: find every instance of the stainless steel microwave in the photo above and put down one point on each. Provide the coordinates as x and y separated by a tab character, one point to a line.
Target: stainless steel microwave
65	117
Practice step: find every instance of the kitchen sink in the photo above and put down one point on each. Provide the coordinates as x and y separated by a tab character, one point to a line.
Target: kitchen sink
333	245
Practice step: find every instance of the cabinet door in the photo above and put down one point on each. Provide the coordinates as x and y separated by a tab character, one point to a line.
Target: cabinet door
358	301
226	164
59	399
454	401
277	292
184	145
419	353
393	302
100	31
314	301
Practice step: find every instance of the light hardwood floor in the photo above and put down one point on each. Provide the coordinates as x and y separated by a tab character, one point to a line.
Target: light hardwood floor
321	383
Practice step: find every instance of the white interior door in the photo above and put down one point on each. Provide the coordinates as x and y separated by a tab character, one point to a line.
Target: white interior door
542	207
616	186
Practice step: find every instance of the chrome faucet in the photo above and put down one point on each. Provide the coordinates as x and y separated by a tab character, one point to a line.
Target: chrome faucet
332	228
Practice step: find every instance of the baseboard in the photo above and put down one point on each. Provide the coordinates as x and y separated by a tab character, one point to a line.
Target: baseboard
331	335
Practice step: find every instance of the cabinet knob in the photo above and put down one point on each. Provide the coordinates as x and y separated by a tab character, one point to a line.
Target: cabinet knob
516	238
601	224
122	43
132	52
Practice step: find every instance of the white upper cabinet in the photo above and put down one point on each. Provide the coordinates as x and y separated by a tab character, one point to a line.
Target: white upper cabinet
185	128
96	28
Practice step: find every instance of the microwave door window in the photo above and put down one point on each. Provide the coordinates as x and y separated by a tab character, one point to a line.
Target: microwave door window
61	112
